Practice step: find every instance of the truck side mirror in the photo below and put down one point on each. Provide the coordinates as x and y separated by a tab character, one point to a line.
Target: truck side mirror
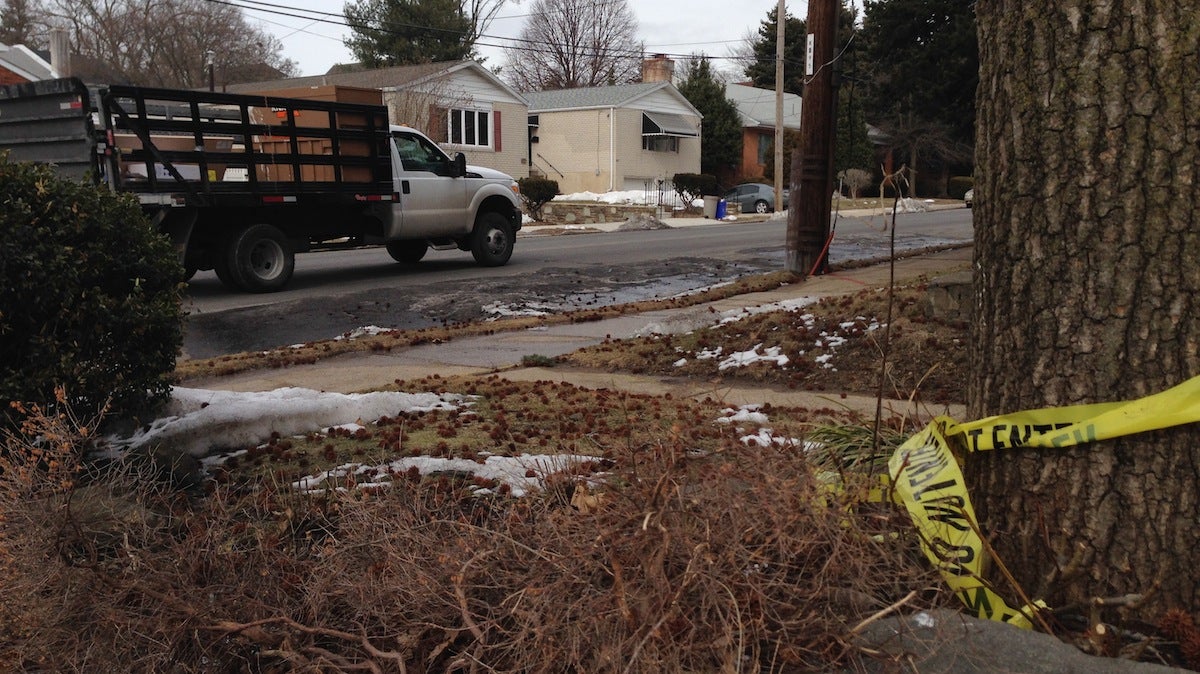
459	165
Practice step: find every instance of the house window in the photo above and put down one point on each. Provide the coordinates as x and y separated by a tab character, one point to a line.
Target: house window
470	127
764	146
660	143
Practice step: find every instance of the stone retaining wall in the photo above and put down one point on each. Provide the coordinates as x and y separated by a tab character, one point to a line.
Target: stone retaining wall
590	212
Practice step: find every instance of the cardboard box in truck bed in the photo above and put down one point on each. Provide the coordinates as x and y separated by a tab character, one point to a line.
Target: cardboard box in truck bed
310	172
319	119
127	142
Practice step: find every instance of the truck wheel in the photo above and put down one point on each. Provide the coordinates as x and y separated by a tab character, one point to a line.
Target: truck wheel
492	240
408	252
260	259
221	267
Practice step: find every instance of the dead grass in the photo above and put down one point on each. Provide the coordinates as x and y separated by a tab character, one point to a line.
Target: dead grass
680	548
695	552
507	418
834	345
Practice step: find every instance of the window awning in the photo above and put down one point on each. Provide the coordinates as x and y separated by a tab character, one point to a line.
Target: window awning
667	124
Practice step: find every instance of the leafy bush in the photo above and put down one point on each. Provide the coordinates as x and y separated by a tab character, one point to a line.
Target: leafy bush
537	192
692	186
89	296
959	185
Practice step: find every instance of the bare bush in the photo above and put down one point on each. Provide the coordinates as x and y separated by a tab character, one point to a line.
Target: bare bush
735	561
855	180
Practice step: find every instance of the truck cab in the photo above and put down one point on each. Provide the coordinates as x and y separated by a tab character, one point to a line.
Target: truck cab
441	202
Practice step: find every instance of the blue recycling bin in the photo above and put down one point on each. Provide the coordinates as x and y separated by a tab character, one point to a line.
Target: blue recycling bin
722	208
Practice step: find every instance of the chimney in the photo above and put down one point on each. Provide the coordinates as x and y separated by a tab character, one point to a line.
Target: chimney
60	52
658	68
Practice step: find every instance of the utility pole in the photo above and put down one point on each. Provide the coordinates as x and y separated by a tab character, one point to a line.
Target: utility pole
812	174
780	32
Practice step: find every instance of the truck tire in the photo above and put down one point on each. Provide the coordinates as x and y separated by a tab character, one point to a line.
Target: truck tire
220	259
492	240
260	259
408	252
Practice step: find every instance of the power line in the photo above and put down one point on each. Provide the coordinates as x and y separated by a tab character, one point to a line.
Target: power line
483	39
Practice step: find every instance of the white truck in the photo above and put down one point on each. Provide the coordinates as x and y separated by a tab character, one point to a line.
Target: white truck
242	183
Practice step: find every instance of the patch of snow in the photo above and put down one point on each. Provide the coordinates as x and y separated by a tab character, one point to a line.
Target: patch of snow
681	362
500	310
365	331
791	305
200	421
831	341
766	438
743	358
522	473
709	354
744	414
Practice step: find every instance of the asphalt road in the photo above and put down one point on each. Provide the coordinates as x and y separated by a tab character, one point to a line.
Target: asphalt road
334	292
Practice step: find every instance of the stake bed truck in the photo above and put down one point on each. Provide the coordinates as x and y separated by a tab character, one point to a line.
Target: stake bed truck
241	183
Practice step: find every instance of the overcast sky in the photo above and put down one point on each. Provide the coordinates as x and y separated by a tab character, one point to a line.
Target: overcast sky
677	27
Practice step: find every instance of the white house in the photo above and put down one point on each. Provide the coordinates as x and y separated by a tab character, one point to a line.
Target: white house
460	104
623	137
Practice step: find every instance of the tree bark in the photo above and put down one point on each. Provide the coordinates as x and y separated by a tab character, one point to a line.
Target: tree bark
1087	284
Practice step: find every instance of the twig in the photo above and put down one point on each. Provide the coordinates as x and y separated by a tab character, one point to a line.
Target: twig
987	546
668	610
461	595
882	612
249	630
887	328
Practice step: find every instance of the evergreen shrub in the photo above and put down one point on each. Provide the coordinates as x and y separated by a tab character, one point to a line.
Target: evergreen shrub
89	297
692	186
537	192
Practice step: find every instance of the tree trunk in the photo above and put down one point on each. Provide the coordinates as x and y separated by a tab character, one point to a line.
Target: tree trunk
1087	251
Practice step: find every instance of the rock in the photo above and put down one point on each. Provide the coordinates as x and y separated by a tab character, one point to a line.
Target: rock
945	640
950	297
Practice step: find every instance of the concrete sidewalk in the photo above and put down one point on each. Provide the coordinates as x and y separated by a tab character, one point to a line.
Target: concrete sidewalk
502	353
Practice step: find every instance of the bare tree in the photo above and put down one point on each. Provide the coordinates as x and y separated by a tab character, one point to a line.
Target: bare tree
567	44
21	23
481	13
925	140
165	42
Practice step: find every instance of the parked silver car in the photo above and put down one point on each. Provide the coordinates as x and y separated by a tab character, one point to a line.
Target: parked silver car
755	198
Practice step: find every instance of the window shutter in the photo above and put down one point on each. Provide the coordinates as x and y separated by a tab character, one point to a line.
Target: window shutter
496	130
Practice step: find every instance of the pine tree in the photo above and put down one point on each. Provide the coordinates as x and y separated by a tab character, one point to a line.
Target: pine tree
762	71
722	125
403	32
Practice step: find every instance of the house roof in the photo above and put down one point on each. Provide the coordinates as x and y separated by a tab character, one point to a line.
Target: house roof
587	98
757	106
25	62
395	77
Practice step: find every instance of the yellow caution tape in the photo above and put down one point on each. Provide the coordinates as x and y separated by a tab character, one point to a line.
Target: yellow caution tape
929	483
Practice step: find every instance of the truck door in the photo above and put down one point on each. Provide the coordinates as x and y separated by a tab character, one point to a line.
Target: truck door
434	204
